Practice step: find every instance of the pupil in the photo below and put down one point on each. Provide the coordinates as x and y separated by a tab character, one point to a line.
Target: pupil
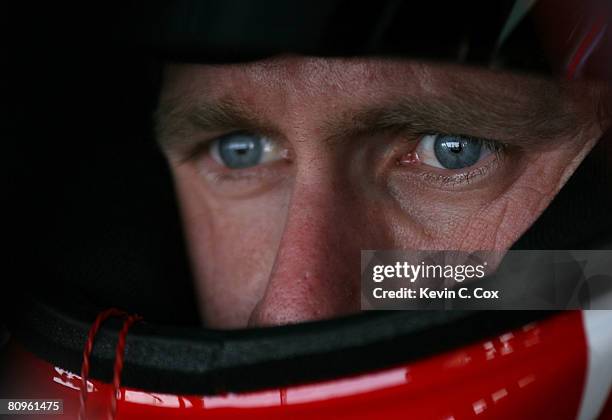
455	146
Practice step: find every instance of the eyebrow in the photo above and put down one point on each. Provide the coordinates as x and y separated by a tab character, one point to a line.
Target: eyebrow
525	122
528	121
176	120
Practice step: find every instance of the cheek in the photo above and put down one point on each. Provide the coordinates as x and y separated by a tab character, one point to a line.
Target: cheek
492	214
232	245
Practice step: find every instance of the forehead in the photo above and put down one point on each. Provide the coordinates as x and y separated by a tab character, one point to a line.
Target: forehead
306	78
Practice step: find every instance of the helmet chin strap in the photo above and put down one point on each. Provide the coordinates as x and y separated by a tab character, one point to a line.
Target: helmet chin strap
119	356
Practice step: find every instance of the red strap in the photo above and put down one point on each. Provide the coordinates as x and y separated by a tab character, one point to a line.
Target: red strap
119	354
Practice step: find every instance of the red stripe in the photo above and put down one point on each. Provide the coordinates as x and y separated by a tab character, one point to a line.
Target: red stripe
583	47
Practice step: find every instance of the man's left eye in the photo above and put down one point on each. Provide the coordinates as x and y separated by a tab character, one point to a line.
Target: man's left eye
243	150
452	151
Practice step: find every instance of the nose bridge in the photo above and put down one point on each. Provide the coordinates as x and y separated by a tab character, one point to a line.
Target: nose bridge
316	271
312	230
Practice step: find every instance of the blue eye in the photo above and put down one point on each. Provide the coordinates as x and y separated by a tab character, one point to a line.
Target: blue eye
454	152
451	151
241	150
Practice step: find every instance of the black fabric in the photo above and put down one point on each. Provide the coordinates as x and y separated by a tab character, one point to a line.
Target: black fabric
91	205
240	30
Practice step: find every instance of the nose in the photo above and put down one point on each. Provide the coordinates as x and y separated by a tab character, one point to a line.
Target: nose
316	274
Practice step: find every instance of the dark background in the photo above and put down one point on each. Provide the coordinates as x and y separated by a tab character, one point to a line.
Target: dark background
90	200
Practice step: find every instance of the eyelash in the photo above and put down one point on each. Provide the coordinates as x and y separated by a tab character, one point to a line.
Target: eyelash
454	180
244	176
497	147
461	178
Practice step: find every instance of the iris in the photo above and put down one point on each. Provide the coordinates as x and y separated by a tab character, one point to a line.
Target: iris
457	152
240	150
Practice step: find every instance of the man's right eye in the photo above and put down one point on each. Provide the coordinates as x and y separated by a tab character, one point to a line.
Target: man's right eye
243	150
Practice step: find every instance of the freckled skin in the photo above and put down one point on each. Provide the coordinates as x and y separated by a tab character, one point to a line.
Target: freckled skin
288	250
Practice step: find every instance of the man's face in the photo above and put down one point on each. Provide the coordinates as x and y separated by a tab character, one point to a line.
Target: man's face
287	168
